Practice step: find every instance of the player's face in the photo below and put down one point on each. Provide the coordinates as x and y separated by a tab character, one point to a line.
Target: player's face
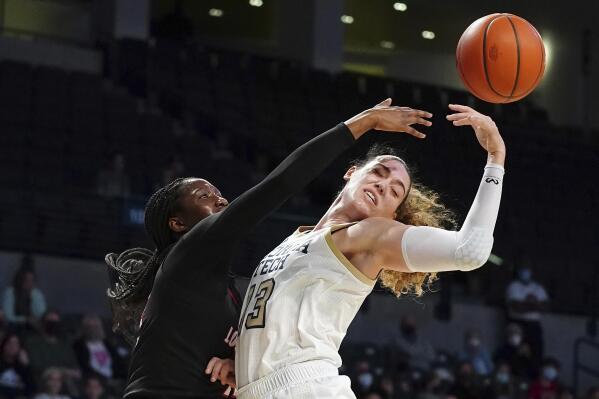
378	188
200	200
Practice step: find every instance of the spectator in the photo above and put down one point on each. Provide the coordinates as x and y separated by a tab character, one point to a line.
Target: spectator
547	385
93	388
23	303
526	299
466	385
16	378
94	352
516	353
592	393
364	379
49	350
387	387
416	352
476	354
52	385
113	181
504	385
372	395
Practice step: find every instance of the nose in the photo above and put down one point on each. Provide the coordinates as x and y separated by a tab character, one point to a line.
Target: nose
379	188
221	202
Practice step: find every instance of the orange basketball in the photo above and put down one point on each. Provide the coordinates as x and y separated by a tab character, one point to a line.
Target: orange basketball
500	58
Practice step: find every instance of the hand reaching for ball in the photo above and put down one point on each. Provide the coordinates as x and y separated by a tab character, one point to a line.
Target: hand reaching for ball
485	129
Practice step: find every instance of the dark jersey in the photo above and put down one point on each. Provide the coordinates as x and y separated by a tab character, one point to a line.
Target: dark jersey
192	313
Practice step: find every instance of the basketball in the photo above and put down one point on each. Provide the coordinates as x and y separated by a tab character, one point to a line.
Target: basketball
500	58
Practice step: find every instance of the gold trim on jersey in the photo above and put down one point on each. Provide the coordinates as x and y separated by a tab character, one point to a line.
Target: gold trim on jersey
352	269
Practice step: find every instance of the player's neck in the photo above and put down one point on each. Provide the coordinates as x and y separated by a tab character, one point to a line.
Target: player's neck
339	212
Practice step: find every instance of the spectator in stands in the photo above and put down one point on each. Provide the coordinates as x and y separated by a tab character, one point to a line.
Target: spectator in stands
48	349
526	299
23	303
592	393
476	353
372	395
566	393
504	385
466	385
516	353
364	378
416	352
174	169
113	181
93	387
16	378
547	386
94	352
387	387
51	385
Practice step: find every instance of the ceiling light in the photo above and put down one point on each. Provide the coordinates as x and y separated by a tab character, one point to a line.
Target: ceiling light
347	19
427	34
256	3
400	6
215	12
387	44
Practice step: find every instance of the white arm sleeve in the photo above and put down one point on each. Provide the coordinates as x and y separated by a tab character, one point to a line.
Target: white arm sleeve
429	249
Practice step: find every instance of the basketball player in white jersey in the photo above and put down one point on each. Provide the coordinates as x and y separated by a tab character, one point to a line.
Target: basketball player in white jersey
304	294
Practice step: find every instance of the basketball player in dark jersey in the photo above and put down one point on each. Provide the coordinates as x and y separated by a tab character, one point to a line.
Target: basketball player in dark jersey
177	304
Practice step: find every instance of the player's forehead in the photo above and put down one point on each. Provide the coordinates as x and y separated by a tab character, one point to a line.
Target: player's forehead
395	165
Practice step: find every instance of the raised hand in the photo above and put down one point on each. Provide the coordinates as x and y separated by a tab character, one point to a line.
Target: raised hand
485	129
389	118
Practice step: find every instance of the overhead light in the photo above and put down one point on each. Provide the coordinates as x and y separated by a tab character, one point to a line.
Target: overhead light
427	34
400	6
256	3
347	19
387	44
215	12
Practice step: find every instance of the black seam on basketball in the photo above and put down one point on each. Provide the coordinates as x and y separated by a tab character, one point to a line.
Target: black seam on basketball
517	56
542	67
485	57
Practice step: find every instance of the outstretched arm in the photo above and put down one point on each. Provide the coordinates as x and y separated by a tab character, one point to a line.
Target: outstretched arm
429	249
296	171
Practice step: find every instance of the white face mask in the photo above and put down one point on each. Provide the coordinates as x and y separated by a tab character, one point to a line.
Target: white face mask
515	339
365	380
474	342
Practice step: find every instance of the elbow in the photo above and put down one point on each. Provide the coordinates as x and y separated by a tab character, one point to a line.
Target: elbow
474	251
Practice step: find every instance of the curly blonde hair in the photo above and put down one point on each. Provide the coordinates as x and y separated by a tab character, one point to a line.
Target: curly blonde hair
421	207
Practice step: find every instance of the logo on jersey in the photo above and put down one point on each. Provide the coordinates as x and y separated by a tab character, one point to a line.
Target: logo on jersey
275	260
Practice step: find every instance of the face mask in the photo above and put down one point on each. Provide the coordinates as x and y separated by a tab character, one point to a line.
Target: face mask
474	342
515	339
365	380
550	373
502	377
525	275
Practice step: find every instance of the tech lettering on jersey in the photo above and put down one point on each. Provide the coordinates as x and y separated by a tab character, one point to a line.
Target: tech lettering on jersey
275	260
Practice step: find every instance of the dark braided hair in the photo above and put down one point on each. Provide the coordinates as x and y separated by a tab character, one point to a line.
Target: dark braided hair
132	272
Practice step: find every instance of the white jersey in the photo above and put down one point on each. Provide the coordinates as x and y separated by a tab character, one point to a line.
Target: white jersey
301	299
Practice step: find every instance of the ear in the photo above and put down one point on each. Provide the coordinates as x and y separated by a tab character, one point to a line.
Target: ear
176	225
349	173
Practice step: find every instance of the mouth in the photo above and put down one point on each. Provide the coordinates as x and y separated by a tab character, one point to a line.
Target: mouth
371	196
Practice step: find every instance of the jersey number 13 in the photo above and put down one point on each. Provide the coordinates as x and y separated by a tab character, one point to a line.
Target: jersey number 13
257	316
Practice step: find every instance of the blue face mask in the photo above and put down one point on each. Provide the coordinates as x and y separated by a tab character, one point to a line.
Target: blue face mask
550	373
525	275
502	377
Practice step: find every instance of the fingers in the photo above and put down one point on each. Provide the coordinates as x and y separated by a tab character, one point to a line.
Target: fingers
459	115
216	371
211	364
410	130
422	114
385	103
460	108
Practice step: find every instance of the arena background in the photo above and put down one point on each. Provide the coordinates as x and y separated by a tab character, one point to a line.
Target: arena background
140	91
